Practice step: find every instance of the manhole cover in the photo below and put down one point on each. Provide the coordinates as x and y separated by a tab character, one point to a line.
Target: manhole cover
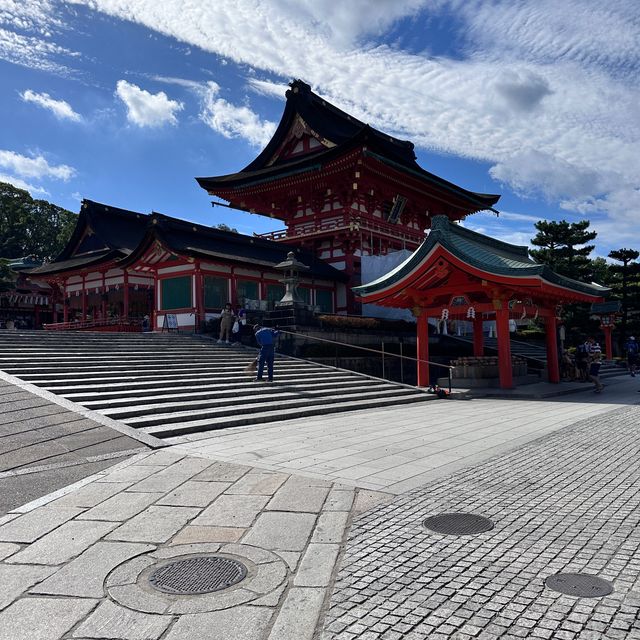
198	575
458	524
580	585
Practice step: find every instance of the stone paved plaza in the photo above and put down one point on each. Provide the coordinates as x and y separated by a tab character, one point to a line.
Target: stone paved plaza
303	502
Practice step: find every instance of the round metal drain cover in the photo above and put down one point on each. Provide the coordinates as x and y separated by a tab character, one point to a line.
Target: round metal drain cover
580	585
204	574
458	524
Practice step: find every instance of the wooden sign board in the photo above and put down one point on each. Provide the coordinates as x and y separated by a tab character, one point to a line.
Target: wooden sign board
170	322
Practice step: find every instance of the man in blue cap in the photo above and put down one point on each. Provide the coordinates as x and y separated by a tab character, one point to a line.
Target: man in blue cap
265	338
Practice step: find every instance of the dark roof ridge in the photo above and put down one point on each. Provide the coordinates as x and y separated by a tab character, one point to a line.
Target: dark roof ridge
519	251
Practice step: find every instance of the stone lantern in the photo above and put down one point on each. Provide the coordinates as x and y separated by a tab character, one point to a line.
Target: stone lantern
290	268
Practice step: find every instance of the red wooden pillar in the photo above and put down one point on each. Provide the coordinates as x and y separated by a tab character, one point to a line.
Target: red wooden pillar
423	350
478	337
125	293
505	368
65	303
103	304
54	303
608	345
551	335
199	281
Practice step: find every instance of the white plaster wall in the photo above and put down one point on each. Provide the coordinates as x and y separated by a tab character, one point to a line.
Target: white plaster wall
374	267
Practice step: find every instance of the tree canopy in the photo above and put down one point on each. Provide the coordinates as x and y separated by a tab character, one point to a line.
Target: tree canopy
563	246
31	227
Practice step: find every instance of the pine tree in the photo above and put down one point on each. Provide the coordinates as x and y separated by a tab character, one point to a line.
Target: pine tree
627	286
564	247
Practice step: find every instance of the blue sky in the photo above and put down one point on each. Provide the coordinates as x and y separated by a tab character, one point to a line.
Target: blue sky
126	101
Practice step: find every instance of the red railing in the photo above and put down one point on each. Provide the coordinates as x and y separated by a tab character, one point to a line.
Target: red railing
346	221
128	325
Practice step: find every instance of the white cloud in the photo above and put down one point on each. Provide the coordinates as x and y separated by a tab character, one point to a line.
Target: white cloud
545	91
34	167
21	184
230	120
27	29
60	109
234	121
146	109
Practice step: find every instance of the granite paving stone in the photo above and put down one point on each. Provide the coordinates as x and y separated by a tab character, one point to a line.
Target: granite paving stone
112	621
66	542
42	618
232	510
331	527
90	495
317	565
121	506
294	496
281	531
84	576
16	579
132	473
192	534
155	524
222	472
194	494
299	614
35	524
7	549
264	483
239	623
567	502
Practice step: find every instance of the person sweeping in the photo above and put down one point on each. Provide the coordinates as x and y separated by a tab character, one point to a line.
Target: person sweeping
265	338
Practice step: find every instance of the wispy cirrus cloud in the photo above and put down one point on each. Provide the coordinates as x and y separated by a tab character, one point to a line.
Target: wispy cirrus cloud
61	109
145	109
34	166
546	99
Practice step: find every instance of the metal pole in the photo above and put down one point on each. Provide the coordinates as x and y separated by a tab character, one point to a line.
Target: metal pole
401	364
383	359
450	376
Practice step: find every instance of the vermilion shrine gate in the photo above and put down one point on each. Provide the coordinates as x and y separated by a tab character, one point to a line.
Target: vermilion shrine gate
458	273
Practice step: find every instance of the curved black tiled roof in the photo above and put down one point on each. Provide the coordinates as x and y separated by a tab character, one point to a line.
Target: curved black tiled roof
343	132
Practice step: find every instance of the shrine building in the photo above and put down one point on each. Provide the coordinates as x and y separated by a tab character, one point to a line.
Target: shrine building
459	274
346	193
122	265
343	189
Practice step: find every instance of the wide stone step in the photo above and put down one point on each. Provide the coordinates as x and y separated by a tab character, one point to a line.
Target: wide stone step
131	382
160	378
126	396
228	365
210	424
211	392
189	406
263	404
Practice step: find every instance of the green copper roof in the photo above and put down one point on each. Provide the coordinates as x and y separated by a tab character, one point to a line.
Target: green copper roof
482	252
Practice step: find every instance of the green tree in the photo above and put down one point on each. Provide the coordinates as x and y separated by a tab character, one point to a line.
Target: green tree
32	227
563	246
225	227
7	277
628	277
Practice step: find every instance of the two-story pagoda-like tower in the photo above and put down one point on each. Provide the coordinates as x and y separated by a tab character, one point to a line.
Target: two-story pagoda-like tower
343	189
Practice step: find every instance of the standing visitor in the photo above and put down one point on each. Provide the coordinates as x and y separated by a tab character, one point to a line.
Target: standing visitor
239	324
582	360
226	323
264	338
632	355
595	356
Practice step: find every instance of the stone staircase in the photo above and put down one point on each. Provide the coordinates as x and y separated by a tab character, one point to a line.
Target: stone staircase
536	355
173	385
